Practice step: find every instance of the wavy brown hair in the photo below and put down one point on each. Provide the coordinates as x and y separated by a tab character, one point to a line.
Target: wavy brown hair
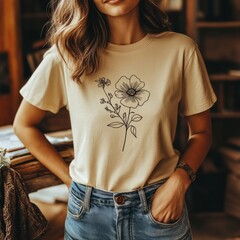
79	31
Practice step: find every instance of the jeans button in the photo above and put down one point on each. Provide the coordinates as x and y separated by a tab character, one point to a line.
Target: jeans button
120	200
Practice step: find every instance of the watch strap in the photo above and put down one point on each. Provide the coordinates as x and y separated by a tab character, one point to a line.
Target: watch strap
188	169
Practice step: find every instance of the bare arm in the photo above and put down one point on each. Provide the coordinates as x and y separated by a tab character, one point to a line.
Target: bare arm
25	126
199	142
168	201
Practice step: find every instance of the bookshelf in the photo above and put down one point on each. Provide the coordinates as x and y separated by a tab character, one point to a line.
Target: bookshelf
218	39
219	43
224	77
35	16
20	29
229	24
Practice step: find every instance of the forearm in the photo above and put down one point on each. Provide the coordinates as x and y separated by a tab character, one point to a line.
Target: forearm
196	150
194	153
39	146
199	142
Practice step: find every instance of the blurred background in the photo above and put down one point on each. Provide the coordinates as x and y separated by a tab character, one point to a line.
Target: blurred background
214	199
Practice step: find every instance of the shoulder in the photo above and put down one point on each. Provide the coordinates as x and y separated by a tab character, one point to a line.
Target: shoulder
53	55
176	41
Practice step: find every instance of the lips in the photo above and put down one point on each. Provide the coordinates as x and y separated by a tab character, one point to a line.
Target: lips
111	1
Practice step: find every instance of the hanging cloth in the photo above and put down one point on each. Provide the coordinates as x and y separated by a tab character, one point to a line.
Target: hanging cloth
19	218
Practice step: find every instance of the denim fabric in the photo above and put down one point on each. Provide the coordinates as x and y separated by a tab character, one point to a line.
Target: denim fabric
98	215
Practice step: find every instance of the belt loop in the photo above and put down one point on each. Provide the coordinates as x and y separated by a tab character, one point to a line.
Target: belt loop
143	201
87	198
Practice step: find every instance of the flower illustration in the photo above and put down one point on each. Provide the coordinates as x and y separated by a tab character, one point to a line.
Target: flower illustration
131	92
102	82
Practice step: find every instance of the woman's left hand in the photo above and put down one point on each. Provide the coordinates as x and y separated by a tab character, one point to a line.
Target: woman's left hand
168	200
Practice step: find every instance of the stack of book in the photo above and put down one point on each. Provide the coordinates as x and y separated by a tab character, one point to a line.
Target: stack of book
172	5
231	156
234	72
34	174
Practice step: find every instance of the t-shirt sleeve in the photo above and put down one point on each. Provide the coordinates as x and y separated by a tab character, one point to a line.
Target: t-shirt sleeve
46	87
197	92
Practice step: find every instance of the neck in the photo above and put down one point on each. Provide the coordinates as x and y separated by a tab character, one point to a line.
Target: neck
125	29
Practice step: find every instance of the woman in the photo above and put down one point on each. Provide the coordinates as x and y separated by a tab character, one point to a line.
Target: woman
124	78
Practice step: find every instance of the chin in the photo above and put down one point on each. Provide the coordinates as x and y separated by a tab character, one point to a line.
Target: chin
116	8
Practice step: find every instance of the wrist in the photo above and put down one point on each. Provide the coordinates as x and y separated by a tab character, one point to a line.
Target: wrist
181	177
68	182
184	166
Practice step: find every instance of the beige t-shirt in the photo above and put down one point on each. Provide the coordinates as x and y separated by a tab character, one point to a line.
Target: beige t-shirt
124	116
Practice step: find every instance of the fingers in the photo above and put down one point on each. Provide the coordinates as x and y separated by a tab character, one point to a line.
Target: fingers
167	203
166	211
167	217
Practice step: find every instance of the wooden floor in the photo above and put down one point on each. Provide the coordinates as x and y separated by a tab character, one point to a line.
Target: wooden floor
205	226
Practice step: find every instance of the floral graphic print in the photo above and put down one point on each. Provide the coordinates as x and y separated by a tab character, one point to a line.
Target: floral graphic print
132	95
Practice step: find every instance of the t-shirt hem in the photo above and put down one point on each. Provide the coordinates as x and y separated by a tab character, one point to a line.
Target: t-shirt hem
201	108
161	180
42	106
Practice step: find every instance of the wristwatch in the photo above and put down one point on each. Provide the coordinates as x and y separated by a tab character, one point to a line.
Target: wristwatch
188	169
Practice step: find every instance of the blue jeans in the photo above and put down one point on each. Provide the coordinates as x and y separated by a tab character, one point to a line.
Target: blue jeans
99	215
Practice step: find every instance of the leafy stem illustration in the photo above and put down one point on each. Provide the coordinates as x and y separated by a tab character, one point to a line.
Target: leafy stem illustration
131	94
116	109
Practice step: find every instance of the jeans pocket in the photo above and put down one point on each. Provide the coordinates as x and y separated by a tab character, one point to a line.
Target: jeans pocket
154	221
166	225
75	206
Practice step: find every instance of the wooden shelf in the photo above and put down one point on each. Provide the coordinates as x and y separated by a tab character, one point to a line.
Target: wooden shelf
174	11
226	114
39	15
223	77
230	24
